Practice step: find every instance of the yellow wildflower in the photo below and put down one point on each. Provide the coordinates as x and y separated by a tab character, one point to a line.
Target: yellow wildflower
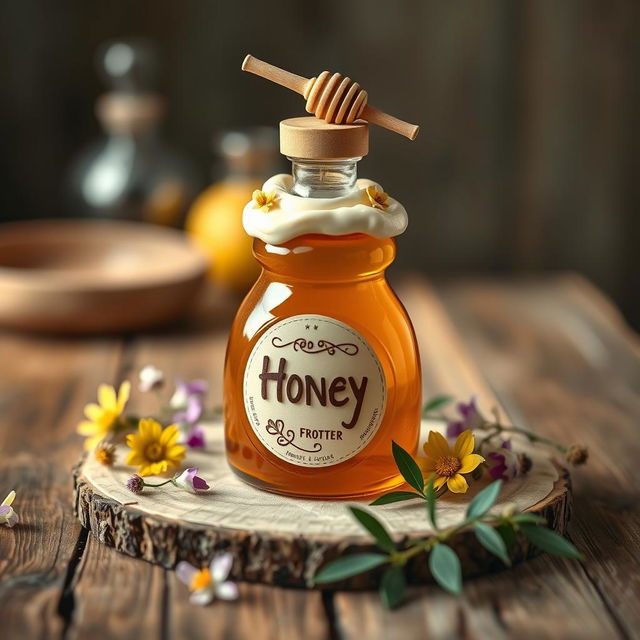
448	465
201	580
105	454
103	418
264	201
154	449
377	198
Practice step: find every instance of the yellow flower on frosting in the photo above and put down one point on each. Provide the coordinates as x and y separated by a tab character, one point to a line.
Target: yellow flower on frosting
448	465
377	198
154	449
104	418
264	201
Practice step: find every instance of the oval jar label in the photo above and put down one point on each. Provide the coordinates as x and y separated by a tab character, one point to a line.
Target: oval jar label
314	391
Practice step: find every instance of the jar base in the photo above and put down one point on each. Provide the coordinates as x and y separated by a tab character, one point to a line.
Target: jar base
389	484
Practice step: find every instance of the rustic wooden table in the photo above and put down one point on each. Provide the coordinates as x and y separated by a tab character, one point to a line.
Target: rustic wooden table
555	353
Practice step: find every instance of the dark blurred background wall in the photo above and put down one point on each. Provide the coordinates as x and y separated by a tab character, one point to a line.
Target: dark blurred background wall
529	110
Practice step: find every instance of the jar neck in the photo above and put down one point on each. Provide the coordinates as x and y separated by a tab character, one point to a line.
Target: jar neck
323	178
323	259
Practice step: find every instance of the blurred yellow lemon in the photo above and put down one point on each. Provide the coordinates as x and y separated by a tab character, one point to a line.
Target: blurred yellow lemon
215	223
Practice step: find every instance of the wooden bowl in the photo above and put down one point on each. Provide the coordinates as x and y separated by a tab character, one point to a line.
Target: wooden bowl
74	276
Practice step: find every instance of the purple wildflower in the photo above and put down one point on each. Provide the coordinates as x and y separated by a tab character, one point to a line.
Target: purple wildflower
135	483
195	439
188	401
7	515
189	480
502	462
184	390
192	412
471	418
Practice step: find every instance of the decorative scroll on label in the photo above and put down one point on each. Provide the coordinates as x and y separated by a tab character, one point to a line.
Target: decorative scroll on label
314	391
309	346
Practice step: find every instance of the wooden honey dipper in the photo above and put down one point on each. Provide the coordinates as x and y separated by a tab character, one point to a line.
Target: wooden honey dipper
331	97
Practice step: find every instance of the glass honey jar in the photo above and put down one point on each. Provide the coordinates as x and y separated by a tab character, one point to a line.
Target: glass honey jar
322	371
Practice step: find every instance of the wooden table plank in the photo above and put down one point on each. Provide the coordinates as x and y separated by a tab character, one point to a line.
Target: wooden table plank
562	360
261	611
116	597
43	388
508	604
534	600
551	351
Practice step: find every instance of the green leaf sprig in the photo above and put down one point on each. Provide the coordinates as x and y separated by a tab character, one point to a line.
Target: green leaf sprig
412	474
435	404
496	533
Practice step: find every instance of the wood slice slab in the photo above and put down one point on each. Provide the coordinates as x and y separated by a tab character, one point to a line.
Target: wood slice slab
278	540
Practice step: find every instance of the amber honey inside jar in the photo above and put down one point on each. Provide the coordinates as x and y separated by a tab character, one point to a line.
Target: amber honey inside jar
322	371
341	279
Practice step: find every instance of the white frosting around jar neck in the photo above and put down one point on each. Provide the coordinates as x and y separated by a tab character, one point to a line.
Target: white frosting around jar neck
293	216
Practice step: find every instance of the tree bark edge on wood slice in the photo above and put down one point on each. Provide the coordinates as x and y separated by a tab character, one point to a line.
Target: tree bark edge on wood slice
283	560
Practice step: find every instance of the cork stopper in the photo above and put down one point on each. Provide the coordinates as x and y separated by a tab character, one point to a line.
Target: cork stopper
333	98
318	140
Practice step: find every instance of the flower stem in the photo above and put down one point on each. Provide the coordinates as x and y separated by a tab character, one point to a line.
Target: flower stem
497	429
439	416
401	557
148	484
159	399
126	423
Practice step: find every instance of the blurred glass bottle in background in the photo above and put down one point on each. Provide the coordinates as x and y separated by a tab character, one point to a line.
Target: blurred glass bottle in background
215	219
131	173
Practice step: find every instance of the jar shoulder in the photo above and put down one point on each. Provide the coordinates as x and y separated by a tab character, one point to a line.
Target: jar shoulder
371	308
